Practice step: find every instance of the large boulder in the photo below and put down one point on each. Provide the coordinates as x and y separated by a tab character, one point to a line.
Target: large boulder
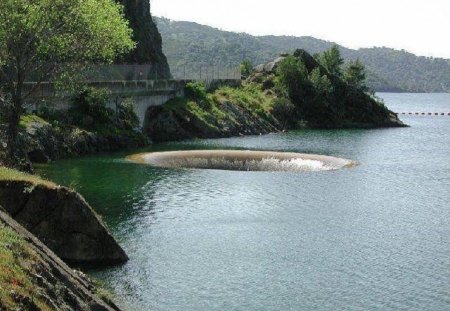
63	221
270	67
55	286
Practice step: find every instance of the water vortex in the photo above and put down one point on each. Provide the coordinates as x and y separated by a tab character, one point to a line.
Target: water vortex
236	160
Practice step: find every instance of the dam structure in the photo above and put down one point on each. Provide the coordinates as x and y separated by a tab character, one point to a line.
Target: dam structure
144	88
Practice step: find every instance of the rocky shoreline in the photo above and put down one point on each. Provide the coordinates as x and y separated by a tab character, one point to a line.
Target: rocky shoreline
63	221
43	142
51	227
261	106
51	284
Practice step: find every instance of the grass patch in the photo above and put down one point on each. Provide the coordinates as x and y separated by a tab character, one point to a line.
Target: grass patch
250	96
17	291
205	110
225	110
7	174
25	120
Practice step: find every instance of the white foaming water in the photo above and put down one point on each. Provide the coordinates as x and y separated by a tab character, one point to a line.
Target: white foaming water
237	160
266	164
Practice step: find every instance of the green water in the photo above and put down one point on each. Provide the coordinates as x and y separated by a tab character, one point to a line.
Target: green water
374	237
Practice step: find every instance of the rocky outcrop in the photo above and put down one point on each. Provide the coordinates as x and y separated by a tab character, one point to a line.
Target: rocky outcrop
43	142
63	221
54	285
147	38
261	106
270	67
167	124
341	105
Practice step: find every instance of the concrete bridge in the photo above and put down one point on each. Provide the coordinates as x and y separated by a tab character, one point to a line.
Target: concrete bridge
144	93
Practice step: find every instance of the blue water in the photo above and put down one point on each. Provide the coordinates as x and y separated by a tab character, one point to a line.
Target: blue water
373	237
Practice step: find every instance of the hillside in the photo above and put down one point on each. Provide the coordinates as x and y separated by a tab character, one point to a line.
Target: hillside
190	45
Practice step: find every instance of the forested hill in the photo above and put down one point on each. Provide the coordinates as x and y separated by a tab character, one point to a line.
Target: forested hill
190	45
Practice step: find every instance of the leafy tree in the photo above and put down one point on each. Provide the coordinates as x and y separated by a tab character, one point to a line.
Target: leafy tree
332	60
355	75
292	78
321	83
284	110
195	91
127	117
44	40
321	103
246	68
89	107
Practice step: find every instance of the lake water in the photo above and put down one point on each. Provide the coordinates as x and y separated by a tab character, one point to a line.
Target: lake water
373	237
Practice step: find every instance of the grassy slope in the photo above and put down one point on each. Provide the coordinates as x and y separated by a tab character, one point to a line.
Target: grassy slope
27	119
224	112
212	110
15	258
16	266
7	174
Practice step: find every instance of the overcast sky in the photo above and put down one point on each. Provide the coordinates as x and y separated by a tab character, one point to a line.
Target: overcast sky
419	26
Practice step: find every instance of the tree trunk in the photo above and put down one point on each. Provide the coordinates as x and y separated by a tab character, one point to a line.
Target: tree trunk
13	133
14	115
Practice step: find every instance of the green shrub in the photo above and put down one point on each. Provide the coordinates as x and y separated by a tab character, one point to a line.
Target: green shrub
284	110
246	68
89	107
195	91
126	115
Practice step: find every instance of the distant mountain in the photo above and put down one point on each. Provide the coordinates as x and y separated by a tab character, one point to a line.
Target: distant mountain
189	46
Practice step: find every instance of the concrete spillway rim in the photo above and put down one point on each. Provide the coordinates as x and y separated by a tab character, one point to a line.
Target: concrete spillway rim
242	160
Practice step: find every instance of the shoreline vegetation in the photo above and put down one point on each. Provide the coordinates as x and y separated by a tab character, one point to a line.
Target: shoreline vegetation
292	92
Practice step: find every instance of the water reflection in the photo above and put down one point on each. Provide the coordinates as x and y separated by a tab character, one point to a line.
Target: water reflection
375	237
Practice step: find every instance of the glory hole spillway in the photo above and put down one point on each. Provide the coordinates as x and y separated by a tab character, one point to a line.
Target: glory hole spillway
238	160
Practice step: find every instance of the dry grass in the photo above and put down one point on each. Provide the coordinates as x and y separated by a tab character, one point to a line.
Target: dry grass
7	174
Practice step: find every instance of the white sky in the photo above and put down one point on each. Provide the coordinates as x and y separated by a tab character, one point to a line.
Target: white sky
419	26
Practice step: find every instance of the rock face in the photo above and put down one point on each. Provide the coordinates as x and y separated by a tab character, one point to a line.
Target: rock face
165	124
270	67
54	283
43	143
147	37
63	221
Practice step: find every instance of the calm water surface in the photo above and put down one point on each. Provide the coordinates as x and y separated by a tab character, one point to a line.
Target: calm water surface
375	237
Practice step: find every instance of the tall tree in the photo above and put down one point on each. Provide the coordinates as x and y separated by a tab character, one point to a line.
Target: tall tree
246	68
45	39
355	75
332	60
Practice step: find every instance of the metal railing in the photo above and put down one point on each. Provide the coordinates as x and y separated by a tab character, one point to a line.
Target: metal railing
107	73
145	72
137	72
206	73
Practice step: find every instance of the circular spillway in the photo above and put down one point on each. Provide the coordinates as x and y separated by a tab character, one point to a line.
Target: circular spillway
237	160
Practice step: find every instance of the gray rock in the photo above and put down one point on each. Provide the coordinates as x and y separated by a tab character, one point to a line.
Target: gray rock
60	286
272	66
62	220
259	68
